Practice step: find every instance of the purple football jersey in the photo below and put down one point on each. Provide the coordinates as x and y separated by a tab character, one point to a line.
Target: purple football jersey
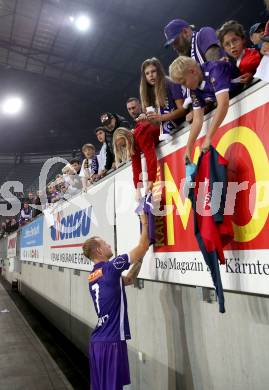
174	92
201	41
218	77
108	294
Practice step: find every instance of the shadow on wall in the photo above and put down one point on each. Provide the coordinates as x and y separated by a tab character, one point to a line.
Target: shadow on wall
180	378
187	360
75	330
259	309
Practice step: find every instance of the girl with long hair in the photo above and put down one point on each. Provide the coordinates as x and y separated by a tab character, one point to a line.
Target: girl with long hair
158	91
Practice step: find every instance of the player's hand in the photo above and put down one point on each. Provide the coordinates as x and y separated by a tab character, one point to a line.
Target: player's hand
187	155
143	218
138	195
206	144
149	187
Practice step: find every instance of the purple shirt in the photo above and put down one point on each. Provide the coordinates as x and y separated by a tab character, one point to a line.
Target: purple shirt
201	41
174	92
217	78
108	293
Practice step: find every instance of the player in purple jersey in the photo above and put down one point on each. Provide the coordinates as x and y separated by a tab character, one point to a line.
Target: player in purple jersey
108	349
210	82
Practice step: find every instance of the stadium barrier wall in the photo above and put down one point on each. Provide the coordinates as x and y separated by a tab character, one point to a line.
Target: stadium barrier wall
179	340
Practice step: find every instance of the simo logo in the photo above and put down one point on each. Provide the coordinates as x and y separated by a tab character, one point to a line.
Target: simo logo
71	226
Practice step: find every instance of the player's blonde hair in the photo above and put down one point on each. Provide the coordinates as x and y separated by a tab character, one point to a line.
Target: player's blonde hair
123	153
179	68
90	247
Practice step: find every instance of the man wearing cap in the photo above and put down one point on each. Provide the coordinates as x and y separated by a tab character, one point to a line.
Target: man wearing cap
202	45
112	122
256	32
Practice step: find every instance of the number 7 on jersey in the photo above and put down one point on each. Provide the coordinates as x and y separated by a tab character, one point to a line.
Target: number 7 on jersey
96	288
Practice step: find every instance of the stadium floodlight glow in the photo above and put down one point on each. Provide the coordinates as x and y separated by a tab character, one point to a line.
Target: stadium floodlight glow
12	105
82	23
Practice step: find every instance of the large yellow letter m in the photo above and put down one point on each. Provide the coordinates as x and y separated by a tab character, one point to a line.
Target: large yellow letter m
173	198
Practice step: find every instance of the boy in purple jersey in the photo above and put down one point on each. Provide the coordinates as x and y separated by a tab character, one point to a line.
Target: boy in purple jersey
108	349
210	82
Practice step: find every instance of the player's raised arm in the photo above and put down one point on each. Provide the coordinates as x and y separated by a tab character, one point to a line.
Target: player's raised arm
136	255
130	278
140	250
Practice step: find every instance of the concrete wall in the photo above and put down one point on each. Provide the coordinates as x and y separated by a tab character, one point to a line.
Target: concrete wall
63	297
10	268
186	343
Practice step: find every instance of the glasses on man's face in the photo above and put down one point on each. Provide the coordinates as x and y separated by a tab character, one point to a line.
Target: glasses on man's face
232	42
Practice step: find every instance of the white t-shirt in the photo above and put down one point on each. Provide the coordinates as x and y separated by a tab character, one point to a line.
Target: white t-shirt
82	171
263	69
73	184
101	157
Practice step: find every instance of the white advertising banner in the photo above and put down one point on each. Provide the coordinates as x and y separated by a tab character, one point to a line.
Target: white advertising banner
246	271
243	140
11	245
127	222
31	241
86	215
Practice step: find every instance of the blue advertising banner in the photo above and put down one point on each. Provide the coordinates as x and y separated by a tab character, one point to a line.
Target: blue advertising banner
31	242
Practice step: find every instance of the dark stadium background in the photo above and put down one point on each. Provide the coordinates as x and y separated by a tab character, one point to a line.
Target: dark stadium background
67	79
